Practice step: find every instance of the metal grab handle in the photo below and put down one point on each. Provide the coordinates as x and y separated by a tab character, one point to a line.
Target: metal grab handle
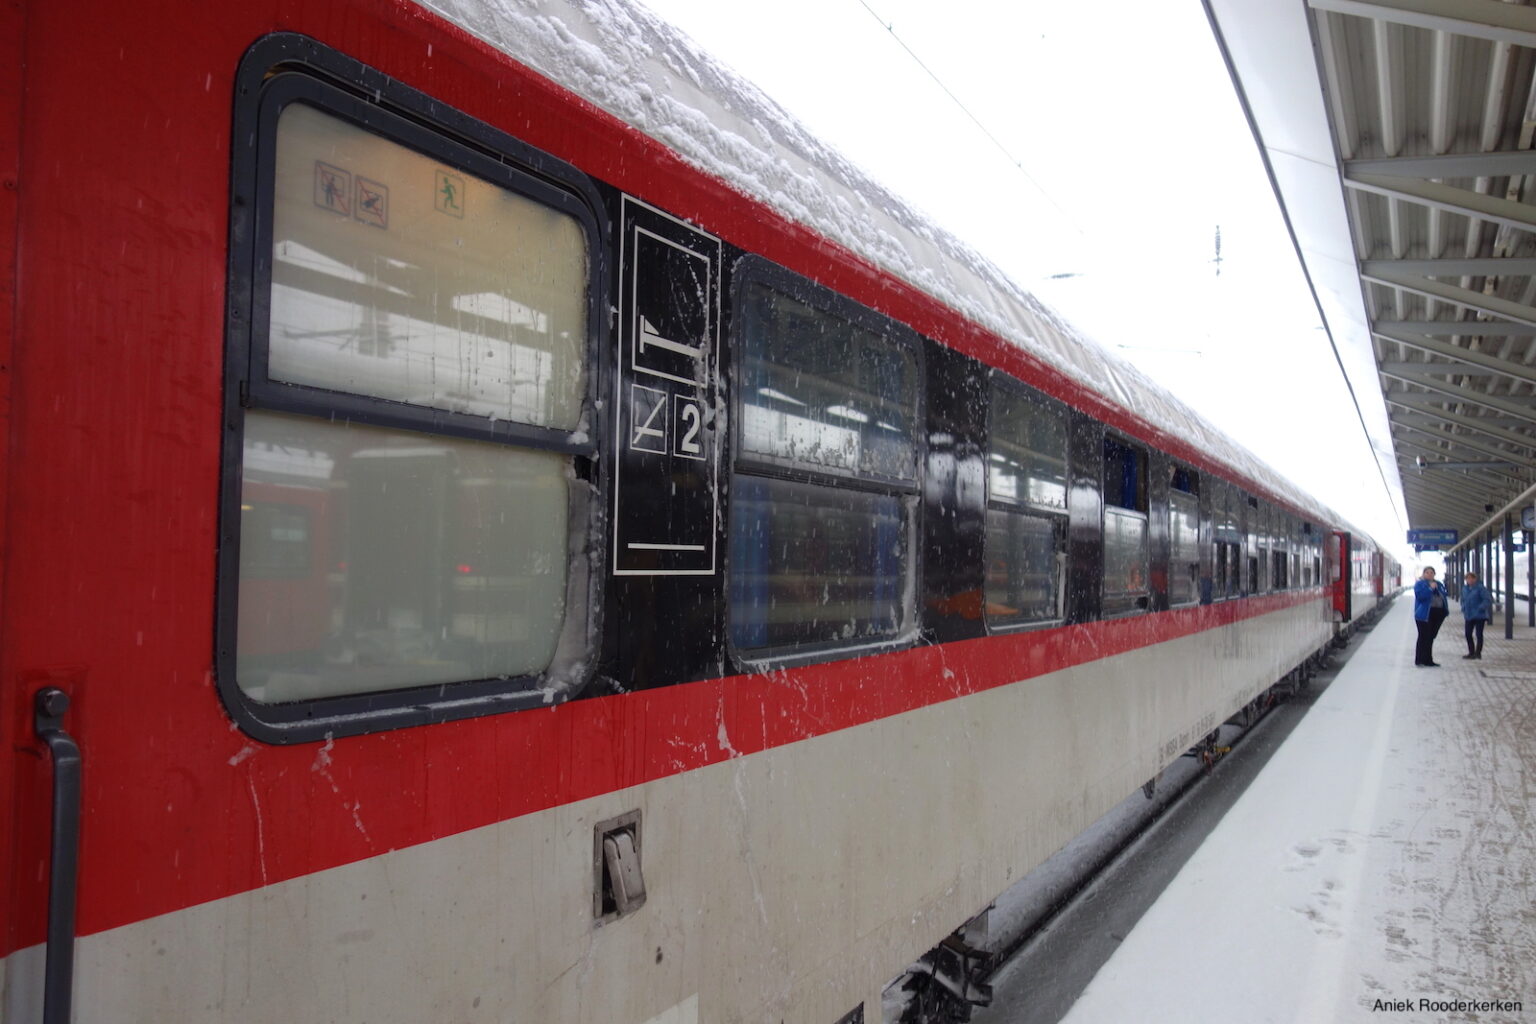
64	857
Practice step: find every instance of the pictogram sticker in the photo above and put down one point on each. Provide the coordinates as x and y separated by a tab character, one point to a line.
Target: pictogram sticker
371	203
671	292
648	419
333	188
449	195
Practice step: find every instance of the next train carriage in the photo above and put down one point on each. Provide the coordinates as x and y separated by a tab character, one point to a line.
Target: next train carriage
468	560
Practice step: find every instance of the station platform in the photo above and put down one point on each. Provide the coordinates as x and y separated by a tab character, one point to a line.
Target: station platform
1381	866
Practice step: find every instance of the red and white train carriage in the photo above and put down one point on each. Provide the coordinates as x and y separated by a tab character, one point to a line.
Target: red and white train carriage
502	566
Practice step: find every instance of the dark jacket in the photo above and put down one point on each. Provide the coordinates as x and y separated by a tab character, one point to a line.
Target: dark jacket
1475	602
1422	589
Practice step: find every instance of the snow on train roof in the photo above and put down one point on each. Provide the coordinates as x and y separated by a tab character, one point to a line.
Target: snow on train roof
624	59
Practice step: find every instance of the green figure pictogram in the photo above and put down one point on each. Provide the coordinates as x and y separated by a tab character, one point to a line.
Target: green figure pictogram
450	194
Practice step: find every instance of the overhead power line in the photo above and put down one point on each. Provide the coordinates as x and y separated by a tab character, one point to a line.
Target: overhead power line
991	137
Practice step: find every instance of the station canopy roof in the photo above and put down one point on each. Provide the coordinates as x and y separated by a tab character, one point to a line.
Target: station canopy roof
1398	135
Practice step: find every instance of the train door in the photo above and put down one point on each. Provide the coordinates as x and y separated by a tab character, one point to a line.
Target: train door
1343	574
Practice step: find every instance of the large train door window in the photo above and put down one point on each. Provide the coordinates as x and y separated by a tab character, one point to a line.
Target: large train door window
824	489
1257	552
1280	539
412	320
1183	536
1026	541
1126	587
1229	539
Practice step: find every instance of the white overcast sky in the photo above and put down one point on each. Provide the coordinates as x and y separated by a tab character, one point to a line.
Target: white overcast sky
1125	149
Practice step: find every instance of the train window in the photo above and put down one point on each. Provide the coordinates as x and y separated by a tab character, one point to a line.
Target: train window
1126	588
1280	575
1183	536
814	563
439	560
1026	538
410	388
1229	536
1125	475
820	391
397	277
1028	462
824	491
1256	553
1229	573
277	538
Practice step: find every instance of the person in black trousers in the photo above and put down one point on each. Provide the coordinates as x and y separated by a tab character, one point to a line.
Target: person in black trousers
1429	611
1477	608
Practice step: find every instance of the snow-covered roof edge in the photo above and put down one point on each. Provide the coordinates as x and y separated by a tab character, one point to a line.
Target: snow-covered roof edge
624	59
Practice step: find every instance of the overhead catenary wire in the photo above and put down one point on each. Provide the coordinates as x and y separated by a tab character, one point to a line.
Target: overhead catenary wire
954	98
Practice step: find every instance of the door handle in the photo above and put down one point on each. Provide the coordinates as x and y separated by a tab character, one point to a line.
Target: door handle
64	855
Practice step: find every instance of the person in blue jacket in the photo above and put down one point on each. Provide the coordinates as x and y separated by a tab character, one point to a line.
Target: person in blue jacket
1429	611
1477	609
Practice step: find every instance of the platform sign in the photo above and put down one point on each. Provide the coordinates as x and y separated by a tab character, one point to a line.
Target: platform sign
666	495
1430	539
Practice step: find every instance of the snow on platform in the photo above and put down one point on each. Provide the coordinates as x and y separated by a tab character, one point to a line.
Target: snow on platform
1385	855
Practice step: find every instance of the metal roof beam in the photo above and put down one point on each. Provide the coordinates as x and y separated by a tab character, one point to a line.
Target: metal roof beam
1429	424
1520	410
1455	504
1428	507
1458	503
1439	369
1430	405
1480	19
1509	163
1488	477
1446	197
1488	267
1461	441
1492	304
1457	328
1496	520
1487	363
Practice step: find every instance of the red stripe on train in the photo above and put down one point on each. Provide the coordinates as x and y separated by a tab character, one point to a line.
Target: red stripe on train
263	814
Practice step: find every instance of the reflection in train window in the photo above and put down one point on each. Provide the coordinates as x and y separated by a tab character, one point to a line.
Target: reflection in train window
398	277
1226	514
1125	561
1183	536
1256	528
1026	535
1025	552
820	391
277	534
1126	587
815	564
1028	461
822	500
430	560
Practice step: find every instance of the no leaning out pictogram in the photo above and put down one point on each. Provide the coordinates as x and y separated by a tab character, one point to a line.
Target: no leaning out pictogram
341	192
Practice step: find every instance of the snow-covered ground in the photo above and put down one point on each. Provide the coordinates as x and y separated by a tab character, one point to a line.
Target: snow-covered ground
1385	855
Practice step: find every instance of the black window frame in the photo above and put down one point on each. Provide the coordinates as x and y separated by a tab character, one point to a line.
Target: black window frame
1229	563
752	270
286	68
1058	516
1185	480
